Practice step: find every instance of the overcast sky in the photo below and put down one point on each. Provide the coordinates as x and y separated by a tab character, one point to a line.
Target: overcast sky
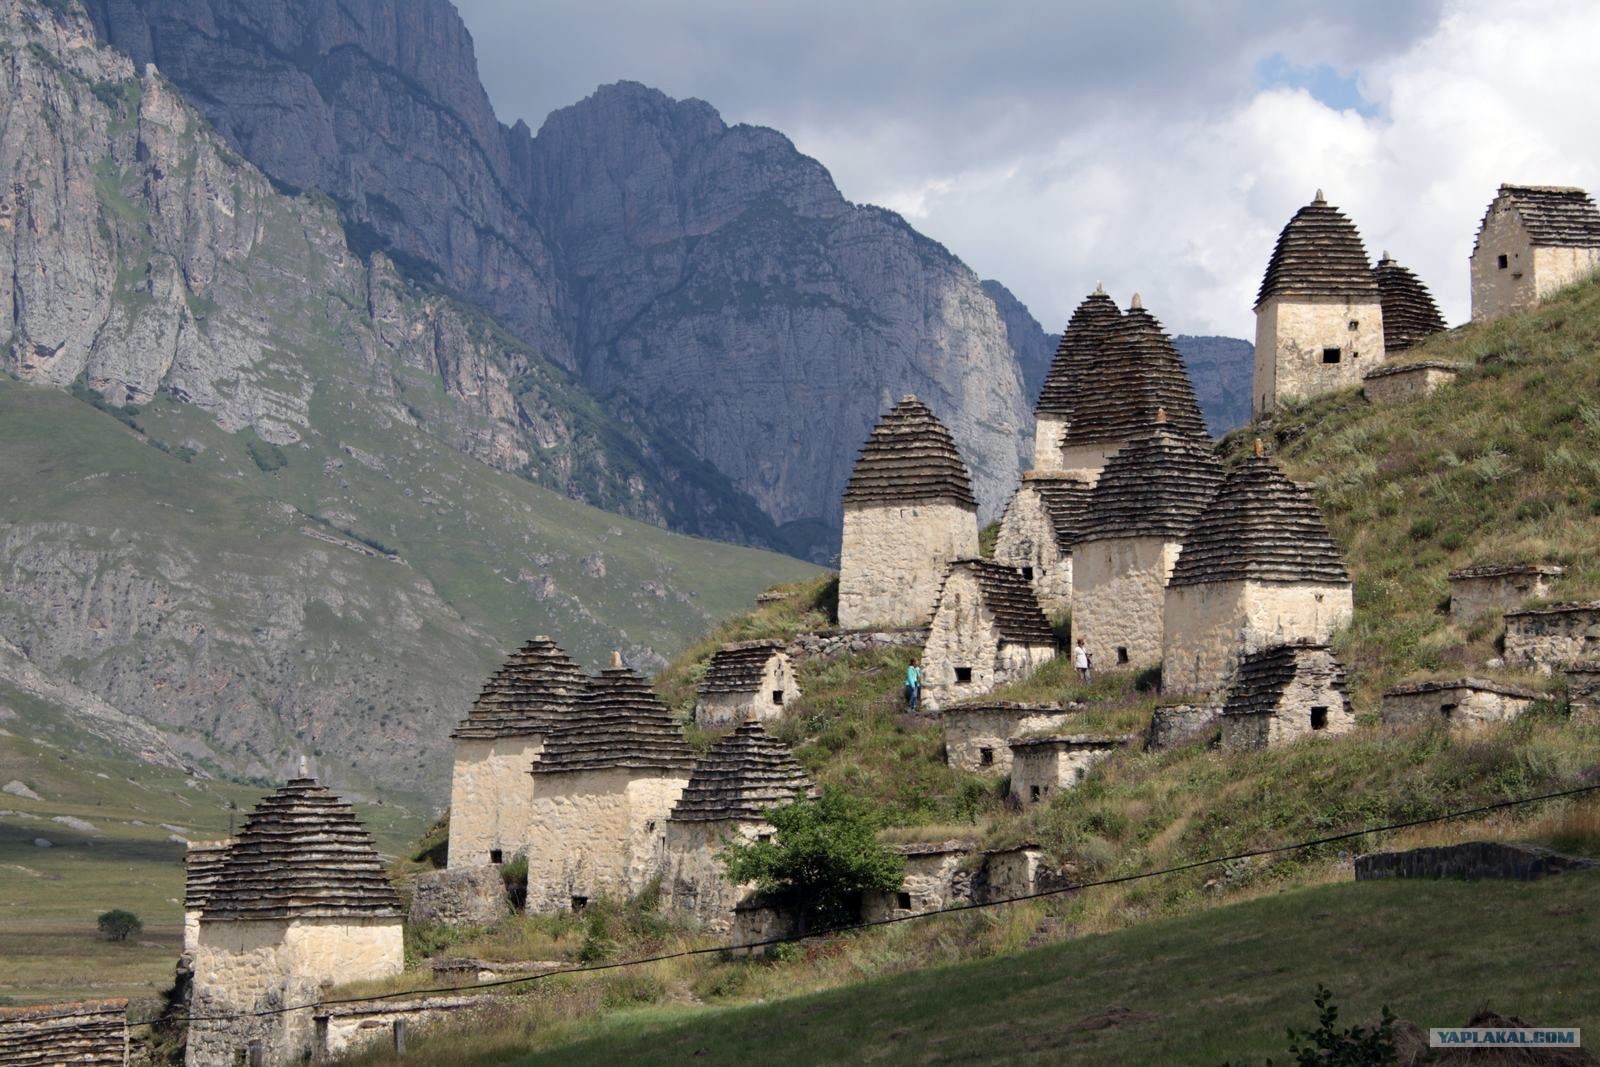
1158	146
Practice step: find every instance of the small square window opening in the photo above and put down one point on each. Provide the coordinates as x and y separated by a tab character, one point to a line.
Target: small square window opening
963	675
1319	718
1331	355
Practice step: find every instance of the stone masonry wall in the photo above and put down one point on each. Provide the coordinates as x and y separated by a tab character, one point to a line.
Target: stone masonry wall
459	896
1497	290
1473	598
1470	859
828	645
1548	640
349	1028
1291	333
1292	720
595	834
693	879
964	635
967	734
1087	461
491	797
1208	628
1403	386
1556	268
892	561
730	709
1583	695
1119	597
1047	433
1027	539
1181	724
932	881
1462	707
1050	770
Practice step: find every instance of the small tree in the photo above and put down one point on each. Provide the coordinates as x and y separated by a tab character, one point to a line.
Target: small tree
824	856
119	925
1328	1046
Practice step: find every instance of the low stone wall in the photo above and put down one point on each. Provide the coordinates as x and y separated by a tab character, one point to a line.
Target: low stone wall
93	1033
1008	873
1583	693
346	1028
459	896
935	877
1470	860
1464	704
977	736
830	644
1478	592
1182	724
756	921
465	970
1399	383
1548	639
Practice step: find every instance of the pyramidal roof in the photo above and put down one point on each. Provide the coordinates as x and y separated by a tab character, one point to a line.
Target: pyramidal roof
1261	526
1319	253
1156	485
1009	598
1066	502
202	863
1552	214
619	724
1263	676
1080	343
535	691
739	667
302	854
910	458
1409	313
746	773
1137	373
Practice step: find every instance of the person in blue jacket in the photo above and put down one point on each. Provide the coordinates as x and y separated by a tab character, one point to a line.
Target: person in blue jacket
913	686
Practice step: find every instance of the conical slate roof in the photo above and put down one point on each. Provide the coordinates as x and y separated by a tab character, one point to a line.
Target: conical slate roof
1066	501
1080	343
1137	373
201	866
619	724
1559	215
1156	485
746	773
1261	526
1319	253
1265	675
909	459
1409	313
535	691
739	668
1009	598
302	854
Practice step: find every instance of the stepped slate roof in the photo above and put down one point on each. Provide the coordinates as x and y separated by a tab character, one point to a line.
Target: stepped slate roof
619	724
1010	707
1388	370
85	1033
739	668
1507	570
1319	253
746	772
1154	486
1263	676
1482	685
1066	503
1067	742
1263	527
1137	372
535	691
1080	344
910	458
1009	598
201	866
1561	215
1409	313
302	854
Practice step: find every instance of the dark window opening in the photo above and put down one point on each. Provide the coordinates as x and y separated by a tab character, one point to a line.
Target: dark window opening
1122	655
1355	324
963	675
1503	261
579	903
1448	711
777	697
1079	772
986	757
1330	355
496	856
1034	792
1319	718
902	901
763	838
1027	573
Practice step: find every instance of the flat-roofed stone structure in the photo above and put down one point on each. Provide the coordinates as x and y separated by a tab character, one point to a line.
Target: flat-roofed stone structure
1548	639
1461	703
1078	350
1496	588
1141	509
1258	568
1534	240
459	896
1583	693
535	692
1041	767
987	631
1400	383
1172	725
1409	314
908	511
1284	693
1135	373
1041	524
749	679
1319	316
602	791
84	1033
301	901
937	876
977	735
744	775
202	861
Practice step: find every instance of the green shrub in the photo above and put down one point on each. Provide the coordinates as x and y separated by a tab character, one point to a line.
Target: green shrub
515	876
1327	1046
119	925
268	457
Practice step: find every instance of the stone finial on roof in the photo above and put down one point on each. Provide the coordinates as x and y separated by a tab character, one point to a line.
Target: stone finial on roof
740	667
910	458
1079	347
1135	371
745	774
1136	303
1319	198
536	690
1099	289
1553	215
1409	313
619	723
1010	600
616	659
1154	486
1319	253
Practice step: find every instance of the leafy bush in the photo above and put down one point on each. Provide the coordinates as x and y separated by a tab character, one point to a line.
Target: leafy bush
1327	1046
119	925
515	875
267	456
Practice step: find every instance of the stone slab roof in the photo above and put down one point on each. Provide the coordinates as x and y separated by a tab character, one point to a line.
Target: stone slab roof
1009	598
201	866
535	691
87	1033
1066	502
746	773
1260	527
1263	676
1507	570
1137	373
1319	253
955	847
1008	707
620	723
1438	685
1079	347
1583	607
1387	370
1156	485
302	854
739	668
1409	313
1559	215
909	459
1067	742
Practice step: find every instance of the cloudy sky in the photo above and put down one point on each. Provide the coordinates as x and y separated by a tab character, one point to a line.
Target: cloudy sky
1156	146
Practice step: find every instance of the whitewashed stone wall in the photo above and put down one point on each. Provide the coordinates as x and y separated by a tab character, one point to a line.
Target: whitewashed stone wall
1087	461
1548	640
1047	431
1027	541
933	880
595	834
1039	772
1292	720
1401	386
969	734
346	1029
1291	333
1476	596
694	881
730	709
1463	707
491	797
1530	274
1119	597
964	634
1209	628
892	560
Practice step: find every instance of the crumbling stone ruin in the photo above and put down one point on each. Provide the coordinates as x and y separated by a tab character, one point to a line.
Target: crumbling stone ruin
1077	351
1041	524
1470	860
1140	512
1398	383
1583	693
908	512
301	901
987	631
1534	240
602	792
750	679
1461	703
1284	693
535	693
746	774
459	896
91	1033
1319	317
1258	569
1548	639
1172	725
1496	588
937	876
977	735
1041	767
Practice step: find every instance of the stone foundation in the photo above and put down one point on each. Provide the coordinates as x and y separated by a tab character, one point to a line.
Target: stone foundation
1548	639
892	560
977	737
1463	704
1399	383
1118	599
1479	592
491	798
346	1029
91	1033
1470	860
1182	724
1209	627
461	896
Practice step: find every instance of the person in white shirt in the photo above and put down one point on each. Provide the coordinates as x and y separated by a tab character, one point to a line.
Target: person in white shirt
1080	660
